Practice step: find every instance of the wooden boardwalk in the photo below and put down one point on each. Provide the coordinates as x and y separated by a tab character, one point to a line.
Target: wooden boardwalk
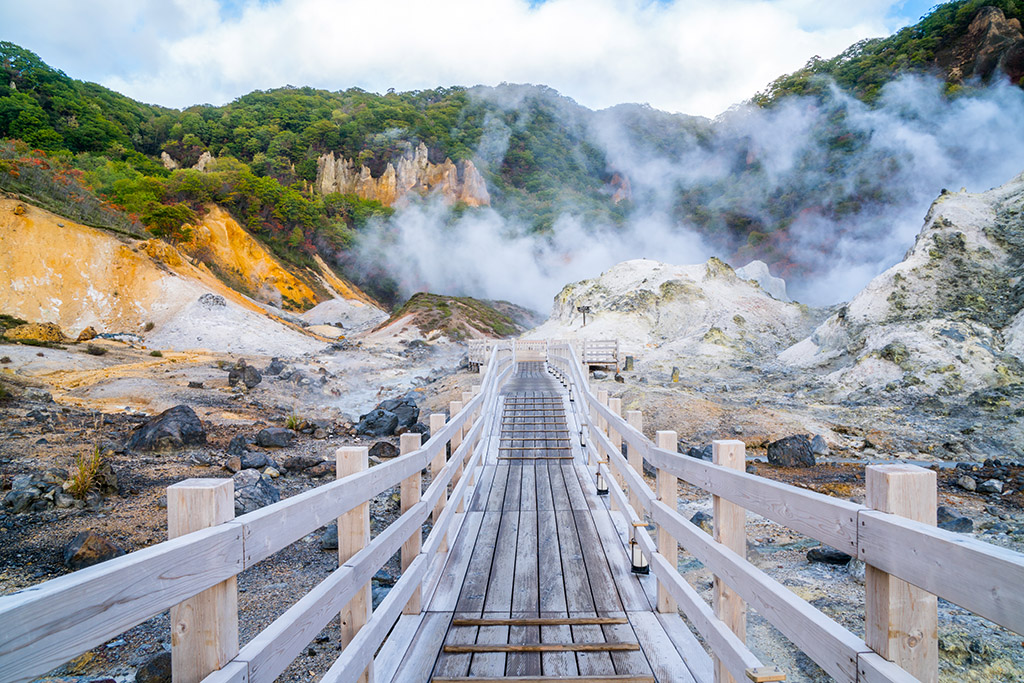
538	584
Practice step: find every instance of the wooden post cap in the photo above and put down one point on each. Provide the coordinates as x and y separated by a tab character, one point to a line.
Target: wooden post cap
764	674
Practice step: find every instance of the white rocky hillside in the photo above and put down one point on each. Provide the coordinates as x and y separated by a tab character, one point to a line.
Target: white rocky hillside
664	312
945	321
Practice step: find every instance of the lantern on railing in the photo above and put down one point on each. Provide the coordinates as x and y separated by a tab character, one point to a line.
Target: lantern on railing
602	485
637	559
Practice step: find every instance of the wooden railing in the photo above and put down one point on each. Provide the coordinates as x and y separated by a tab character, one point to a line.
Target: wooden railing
194	574
909	561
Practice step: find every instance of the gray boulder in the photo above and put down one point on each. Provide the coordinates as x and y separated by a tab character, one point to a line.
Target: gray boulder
275	437
244	373
172	429
828	555
405	409
253	491
329	538
377	422
791	451
383	449
951	521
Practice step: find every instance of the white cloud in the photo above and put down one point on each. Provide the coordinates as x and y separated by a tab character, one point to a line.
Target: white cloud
689	55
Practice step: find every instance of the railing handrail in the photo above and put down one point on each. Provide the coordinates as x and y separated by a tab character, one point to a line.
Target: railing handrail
49	623
878	538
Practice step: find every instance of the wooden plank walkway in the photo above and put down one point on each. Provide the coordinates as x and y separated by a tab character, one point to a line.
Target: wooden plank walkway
538	585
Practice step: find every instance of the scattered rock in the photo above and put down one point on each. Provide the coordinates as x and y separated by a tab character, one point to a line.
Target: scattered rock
991	486
857	570
244	373
195	385
827	555
237	445
172	429
275	368
704	521
405	409
377	422
791	451
89	548
383	449
233	464
967	483
329	538
818	445
87	334
253	491
156	670
255	460
322	469
705	452
211	300
600	374
275	437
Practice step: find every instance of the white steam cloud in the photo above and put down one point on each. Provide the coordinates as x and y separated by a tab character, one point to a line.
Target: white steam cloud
899	155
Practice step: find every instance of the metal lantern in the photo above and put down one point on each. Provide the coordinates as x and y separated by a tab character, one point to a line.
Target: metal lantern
637	559
602	485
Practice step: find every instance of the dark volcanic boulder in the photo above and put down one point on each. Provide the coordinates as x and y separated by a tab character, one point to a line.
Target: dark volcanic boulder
791	451
89	548
156	670
404	409
244	373
253	491
275	368
827	555
377	422
174	428
237	445
275	437
383	449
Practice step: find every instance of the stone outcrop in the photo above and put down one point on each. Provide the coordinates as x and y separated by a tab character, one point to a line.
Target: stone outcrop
992	44
414	173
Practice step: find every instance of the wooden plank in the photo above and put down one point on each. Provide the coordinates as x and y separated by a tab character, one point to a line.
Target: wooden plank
577	500
49	623
542	479
823	640
593	663
559	491
551	589
527	661
528	492
474	590
544	647
446	595
536	621
873	668
627	583
204	628
483	489
513	488
698	662
730	528
557	663
665	662
392	652
901	620
578	595
602	585
496	499
424	650
526	584
453	664
626	662
489	663
502	573
978	576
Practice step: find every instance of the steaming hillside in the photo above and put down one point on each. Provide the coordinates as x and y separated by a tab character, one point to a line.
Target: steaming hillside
826	182
948	320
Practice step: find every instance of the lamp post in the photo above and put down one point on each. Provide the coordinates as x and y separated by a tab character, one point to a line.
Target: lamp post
584	310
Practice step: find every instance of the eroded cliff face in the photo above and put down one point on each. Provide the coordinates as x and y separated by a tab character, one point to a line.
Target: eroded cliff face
992	43
414	173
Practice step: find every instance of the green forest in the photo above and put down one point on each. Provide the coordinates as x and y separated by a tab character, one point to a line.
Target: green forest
89	153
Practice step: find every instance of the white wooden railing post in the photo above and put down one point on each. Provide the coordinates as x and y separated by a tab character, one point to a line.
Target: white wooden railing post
614	405
902	619
454	408
635	419
667	487
411	490
353	535
467	396
204	628
730	530
437	421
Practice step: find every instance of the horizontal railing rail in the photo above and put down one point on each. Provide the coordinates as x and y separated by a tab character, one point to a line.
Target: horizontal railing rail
929	558
48	624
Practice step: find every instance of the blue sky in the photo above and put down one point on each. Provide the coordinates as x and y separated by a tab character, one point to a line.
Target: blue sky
690	56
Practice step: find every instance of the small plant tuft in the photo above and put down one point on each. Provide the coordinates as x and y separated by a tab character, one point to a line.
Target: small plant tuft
95	350
156	353
293	421
83	478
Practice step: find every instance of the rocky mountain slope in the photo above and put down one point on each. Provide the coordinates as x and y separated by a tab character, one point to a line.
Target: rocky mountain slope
415	173
666	312
945	321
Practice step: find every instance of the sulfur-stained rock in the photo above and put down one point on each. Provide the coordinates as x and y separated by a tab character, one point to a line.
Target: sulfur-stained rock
87	334
46	333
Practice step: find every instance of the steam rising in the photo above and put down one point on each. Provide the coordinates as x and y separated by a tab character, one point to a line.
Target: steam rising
902	152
